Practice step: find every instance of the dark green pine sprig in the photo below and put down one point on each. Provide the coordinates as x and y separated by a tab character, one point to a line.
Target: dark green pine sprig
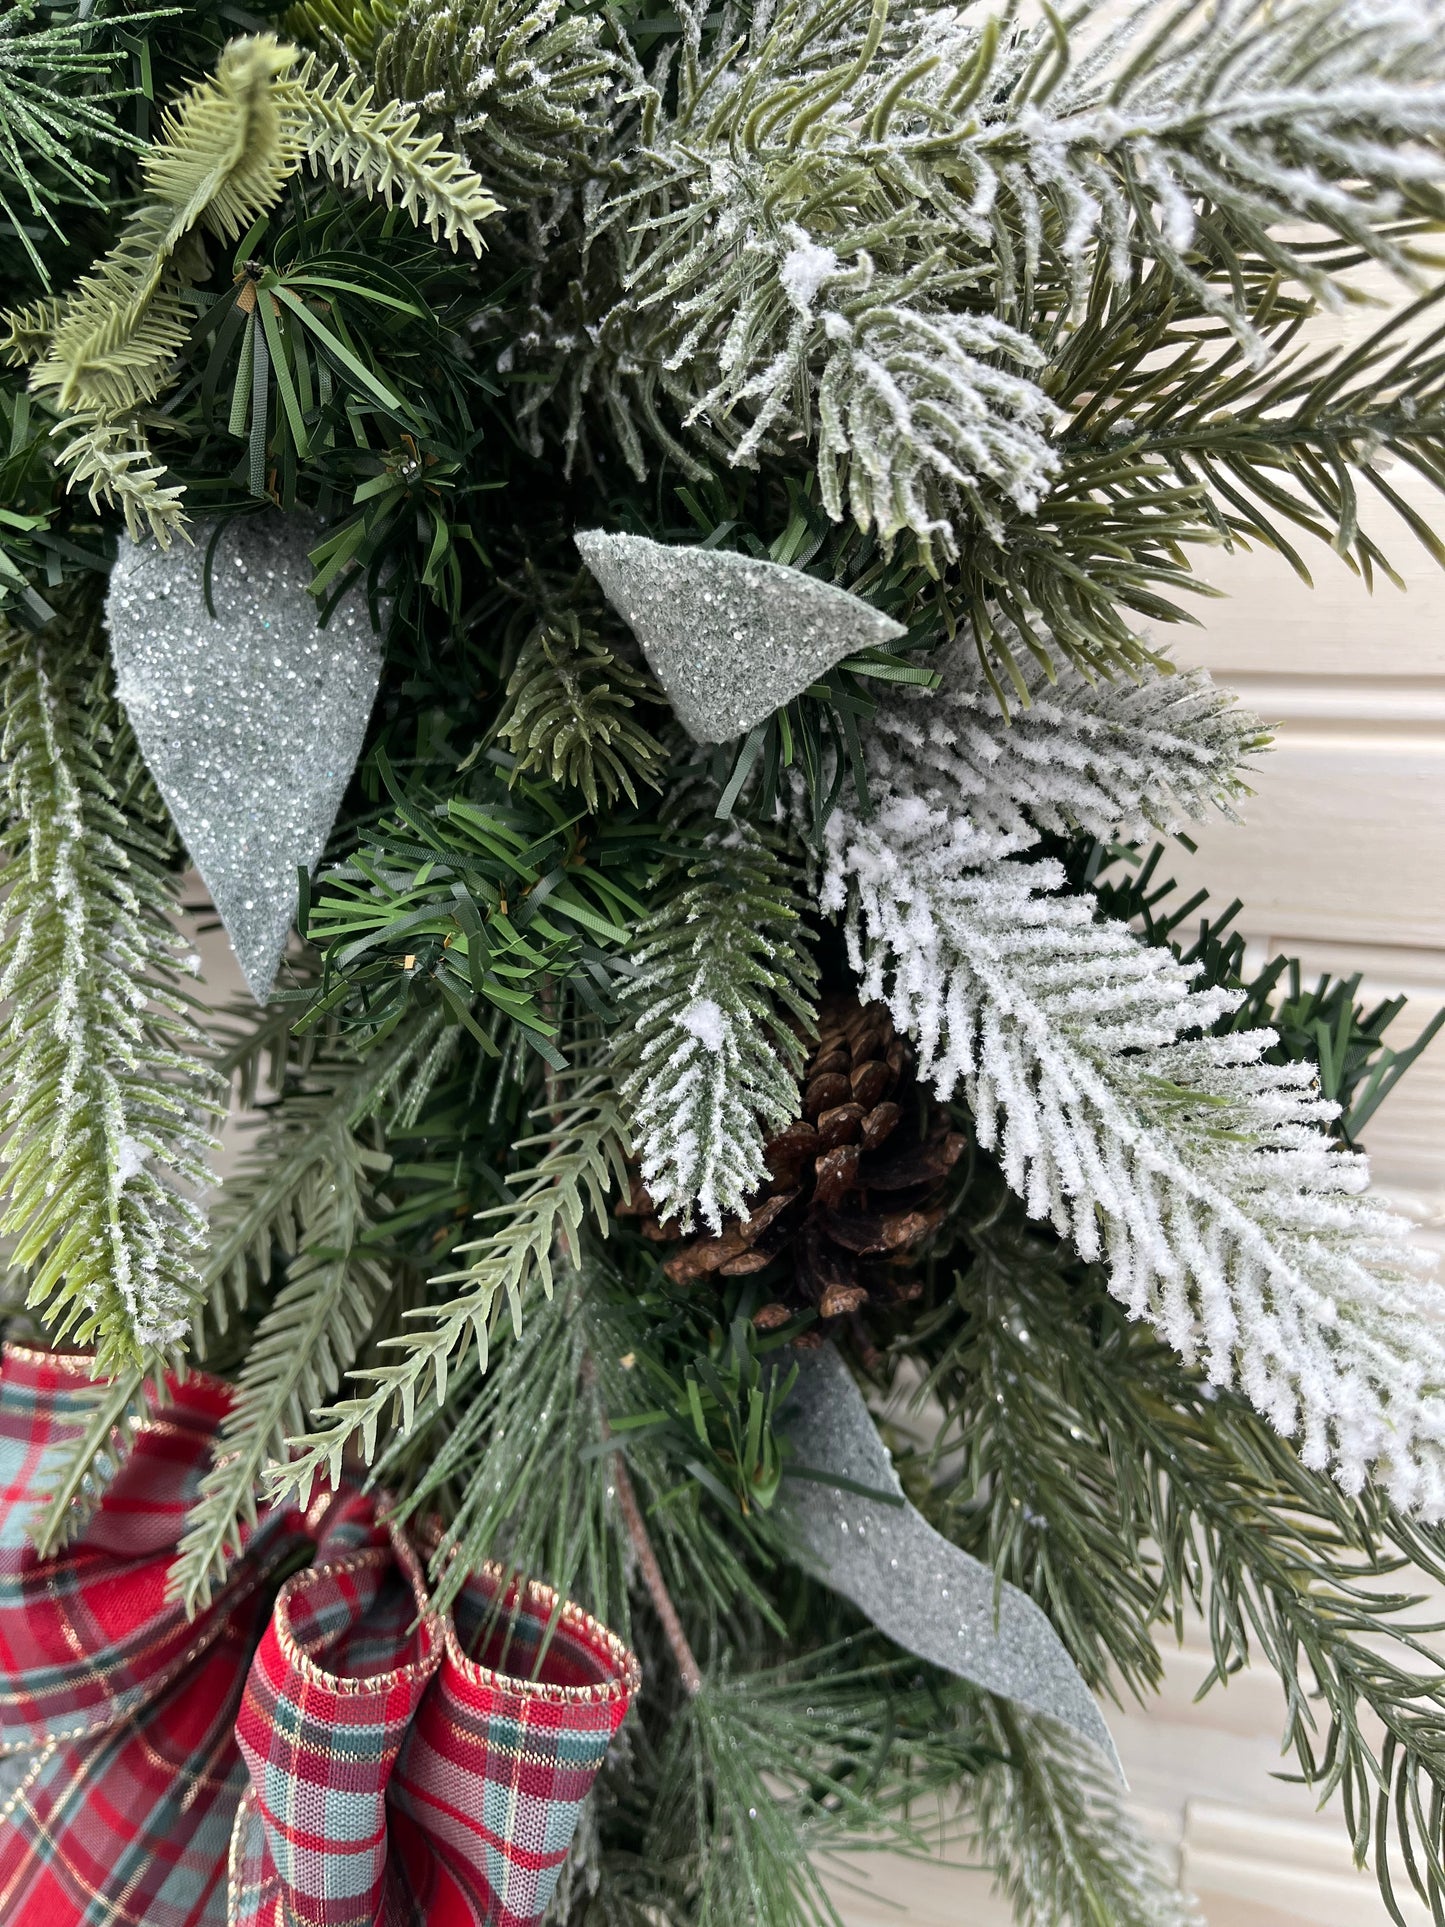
489	904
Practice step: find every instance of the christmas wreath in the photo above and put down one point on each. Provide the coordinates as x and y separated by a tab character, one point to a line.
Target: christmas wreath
630	547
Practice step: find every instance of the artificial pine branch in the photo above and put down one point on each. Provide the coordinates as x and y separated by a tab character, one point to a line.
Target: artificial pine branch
557	1407
378	149
226	152
106	1094
1115	759
51	114
1048	1817
307	1338
517	85
305	1147
83	1468
721	995
567	714
584	1157
1197	1172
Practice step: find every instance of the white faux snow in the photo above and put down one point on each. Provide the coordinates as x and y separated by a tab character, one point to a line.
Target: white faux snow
805	267
703	1019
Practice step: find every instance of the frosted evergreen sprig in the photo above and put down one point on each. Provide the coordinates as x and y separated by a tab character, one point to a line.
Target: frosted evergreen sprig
863	230
723	991
105	1097
516	85
51	112
1196	1173
1050	1821
1115	759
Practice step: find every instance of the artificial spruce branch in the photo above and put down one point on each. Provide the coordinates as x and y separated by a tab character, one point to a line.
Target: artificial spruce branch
84	1467
568	714
106	1094
305	1147
378	149
307	1338
1065	1850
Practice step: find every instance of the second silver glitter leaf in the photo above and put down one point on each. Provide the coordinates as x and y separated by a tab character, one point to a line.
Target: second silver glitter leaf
927	1594
730	638
251	720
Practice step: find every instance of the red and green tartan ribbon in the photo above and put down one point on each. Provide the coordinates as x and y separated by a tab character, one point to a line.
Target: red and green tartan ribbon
342	1757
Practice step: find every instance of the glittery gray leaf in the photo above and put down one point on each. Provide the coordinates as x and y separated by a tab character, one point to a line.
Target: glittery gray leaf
251	720
915	1585
730	638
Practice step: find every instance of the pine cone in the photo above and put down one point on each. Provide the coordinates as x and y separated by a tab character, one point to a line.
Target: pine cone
852	1192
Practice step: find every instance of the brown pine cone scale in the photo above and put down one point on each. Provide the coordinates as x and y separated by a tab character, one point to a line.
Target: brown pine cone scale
852	1191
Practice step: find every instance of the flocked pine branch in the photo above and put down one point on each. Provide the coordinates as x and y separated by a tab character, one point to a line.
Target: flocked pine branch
1198	1174
1115	759
834	234
106	1097
1121	1489
518	86
54	106
224	155
722	996
583	1160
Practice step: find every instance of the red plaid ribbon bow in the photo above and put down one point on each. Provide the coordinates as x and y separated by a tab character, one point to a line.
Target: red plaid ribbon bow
356	1768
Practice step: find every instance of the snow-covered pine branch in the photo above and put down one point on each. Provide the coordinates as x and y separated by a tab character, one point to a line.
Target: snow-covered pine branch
104	1093
1200	1176
710	1058
830	231
1113	758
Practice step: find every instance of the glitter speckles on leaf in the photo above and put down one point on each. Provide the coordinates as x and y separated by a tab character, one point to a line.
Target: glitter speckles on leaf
730	638
251	721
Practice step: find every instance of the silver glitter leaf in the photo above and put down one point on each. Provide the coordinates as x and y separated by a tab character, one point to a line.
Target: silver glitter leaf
924	1592
251	720
730	638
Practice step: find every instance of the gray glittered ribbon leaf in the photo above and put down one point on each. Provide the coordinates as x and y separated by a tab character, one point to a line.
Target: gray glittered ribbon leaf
730	638
919	1588
252	719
